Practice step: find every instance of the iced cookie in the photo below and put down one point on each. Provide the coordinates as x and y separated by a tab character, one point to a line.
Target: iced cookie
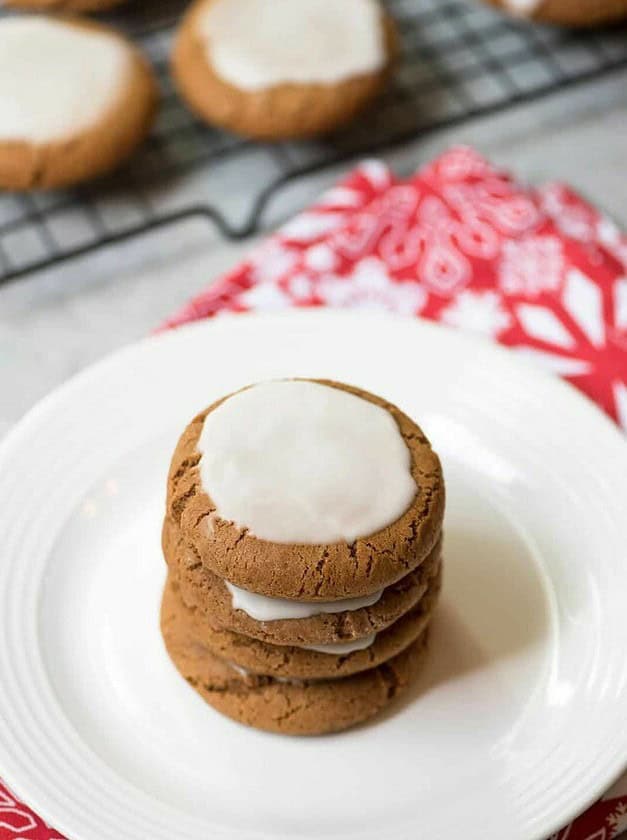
328	661
75	100
292	707
567	12
305	490
289	68
280	622
65	5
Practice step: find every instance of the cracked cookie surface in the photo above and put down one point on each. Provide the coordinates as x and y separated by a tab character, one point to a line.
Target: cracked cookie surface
300	707
308	572
292	662
207	593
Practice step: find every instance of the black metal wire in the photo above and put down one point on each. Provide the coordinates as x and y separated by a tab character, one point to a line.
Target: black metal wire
451	56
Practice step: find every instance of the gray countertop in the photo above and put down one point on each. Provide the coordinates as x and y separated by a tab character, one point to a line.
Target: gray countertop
55	322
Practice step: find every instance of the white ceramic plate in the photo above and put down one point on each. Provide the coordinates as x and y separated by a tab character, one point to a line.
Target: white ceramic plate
518	720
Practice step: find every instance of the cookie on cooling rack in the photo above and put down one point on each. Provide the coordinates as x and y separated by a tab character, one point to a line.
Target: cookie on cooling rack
286	69
567	12
75	100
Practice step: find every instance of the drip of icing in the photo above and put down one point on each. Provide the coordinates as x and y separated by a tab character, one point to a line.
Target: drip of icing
55	79
255	44
339	648
299	462
264	608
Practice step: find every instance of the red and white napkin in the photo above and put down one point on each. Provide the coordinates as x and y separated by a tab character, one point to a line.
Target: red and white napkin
460	242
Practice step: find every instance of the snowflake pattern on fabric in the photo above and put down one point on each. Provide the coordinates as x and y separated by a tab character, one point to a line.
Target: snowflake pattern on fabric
480	312
18	821
370	286
531	266
617	820
460	242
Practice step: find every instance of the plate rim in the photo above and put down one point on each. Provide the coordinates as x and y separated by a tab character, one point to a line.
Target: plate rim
166	335
49	403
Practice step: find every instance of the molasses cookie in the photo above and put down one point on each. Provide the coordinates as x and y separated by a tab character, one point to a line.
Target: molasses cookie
567	12
289	68
75	100
308	661
280	622
306	490
294	707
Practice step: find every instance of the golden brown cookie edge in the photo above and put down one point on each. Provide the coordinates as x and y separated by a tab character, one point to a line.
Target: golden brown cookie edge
583	13
293	662
309	572
96	150
202	590
293	708
287	111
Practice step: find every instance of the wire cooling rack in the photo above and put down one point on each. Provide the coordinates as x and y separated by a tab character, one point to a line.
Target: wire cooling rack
459	59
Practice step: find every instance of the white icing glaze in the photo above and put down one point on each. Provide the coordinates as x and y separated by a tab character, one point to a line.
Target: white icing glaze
340	648
522	7
55	79
263	608
299	462
254	44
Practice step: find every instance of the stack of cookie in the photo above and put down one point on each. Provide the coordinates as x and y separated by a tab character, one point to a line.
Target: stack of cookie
303	540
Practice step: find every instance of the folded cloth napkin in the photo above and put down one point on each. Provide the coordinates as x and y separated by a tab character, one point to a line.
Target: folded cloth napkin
462	243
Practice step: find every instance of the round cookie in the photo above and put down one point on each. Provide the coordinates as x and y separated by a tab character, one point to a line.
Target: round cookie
575	13
309	572
288	707
207	593
64	5
284	661
85	99
292	68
